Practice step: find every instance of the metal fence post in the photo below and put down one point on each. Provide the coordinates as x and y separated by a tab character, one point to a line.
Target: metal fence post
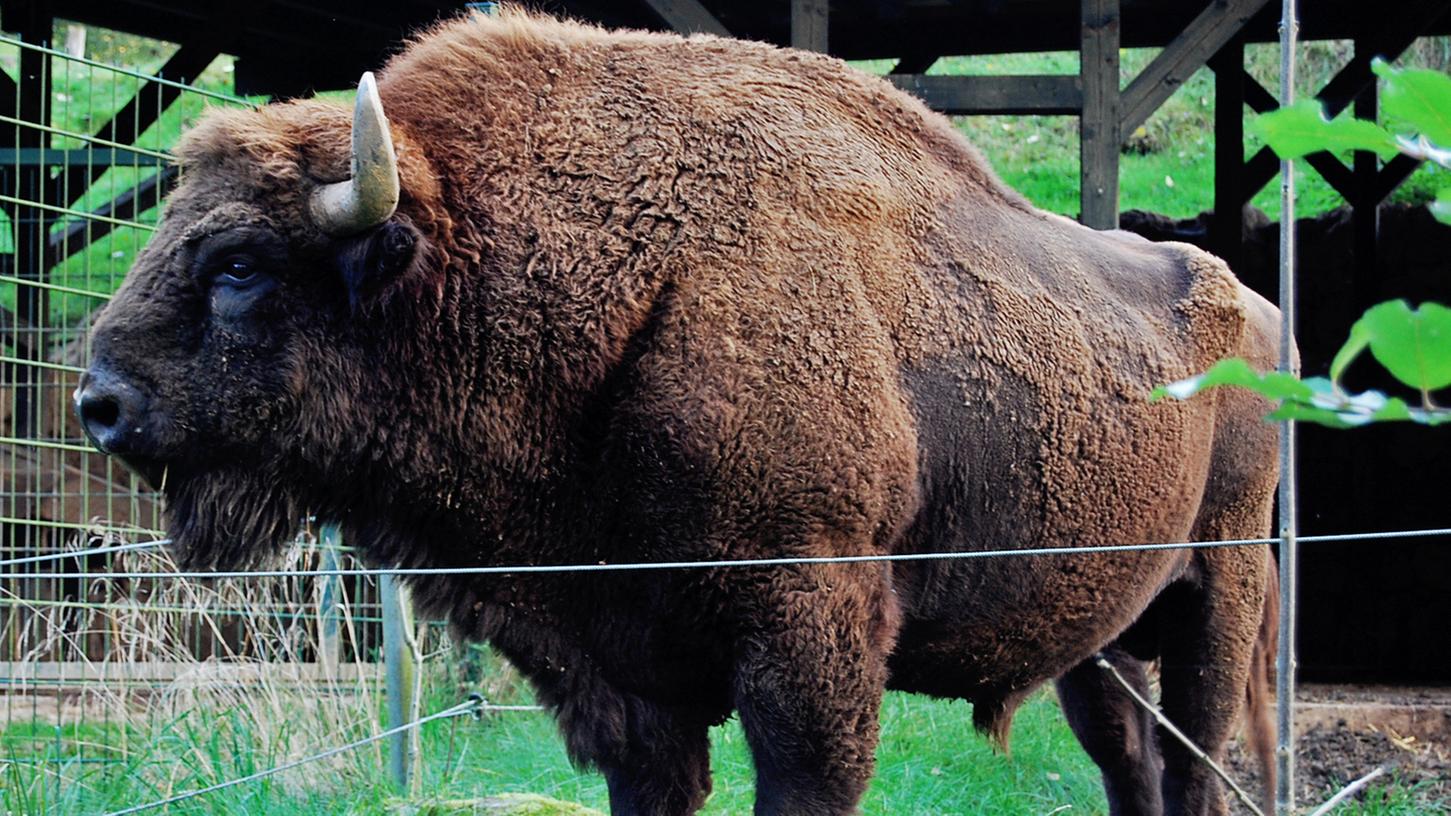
399	670
329	646
1289	557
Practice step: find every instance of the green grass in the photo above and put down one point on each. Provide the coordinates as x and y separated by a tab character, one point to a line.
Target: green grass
930	761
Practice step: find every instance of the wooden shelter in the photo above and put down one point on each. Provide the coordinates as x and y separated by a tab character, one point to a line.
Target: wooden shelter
291	47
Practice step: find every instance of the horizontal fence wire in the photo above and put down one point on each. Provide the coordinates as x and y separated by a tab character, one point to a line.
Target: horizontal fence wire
85	139
521	569
86	553
54	287
75	213
90	527
280	614
70	369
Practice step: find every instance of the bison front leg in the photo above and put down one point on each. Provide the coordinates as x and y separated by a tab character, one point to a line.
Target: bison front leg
664	769
808	685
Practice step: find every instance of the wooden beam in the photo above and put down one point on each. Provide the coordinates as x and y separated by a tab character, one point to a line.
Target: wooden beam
127	206
961	95
1255	95
1099	135
687	17
1395	171
809	19
144	108
1337	175
1405	22
1187	53
1409	20
914	64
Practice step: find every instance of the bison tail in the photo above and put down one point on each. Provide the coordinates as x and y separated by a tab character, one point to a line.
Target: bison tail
1259	725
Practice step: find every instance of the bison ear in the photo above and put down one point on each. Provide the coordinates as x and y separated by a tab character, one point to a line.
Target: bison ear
369	263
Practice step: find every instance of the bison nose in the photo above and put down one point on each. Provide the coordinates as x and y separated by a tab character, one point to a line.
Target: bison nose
110	410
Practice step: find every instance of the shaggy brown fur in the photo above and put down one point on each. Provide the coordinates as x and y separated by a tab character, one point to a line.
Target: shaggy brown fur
656	298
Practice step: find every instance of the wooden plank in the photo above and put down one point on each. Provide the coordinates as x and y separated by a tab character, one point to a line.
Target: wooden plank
1099	133
25	676
77	157
687	17
1038	94
809	19
1206	35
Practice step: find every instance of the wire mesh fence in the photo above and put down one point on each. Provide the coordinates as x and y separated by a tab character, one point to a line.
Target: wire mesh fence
97	670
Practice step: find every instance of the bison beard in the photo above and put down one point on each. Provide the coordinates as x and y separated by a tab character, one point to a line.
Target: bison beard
229	518
646	298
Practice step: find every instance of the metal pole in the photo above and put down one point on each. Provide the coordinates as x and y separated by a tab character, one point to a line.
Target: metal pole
398	669
1289	558
328	644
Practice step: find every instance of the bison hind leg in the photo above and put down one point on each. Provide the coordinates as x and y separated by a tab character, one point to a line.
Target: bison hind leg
1115	731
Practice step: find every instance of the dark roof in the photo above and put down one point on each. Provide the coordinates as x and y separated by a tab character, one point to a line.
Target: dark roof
288	47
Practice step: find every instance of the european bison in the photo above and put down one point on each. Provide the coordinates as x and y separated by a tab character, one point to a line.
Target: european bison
645	298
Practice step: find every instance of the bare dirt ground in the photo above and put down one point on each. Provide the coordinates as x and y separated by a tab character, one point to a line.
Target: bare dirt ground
1346	732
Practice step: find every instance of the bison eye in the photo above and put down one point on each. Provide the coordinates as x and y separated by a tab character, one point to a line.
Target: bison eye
238	270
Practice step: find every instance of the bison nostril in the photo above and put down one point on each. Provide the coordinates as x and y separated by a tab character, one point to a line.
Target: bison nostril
100	411
111	411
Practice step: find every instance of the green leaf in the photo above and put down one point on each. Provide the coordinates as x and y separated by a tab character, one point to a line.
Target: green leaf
1305	412
1302	129
1441	207
1357	342
1416	101
1413	345
1235	371
1315	399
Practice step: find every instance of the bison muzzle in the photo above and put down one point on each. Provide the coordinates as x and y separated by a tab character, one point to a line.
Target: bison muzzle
559	295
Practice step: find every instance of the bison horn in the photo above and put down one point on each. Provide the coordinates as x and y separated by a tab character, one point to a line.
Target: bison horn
371	195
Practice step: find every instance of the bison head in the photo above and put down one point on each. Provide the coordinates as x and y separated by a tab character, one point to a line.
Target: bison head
236	355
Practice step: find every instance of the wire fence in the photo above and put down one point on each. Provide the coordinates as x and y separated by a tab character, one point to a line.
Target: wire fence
97	668
106	648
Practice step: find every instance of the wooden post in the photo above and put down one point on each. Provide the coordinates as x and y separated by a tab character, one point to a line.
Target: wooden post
1365	223
1099	129
31	225
687	17
809	20
1226	230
